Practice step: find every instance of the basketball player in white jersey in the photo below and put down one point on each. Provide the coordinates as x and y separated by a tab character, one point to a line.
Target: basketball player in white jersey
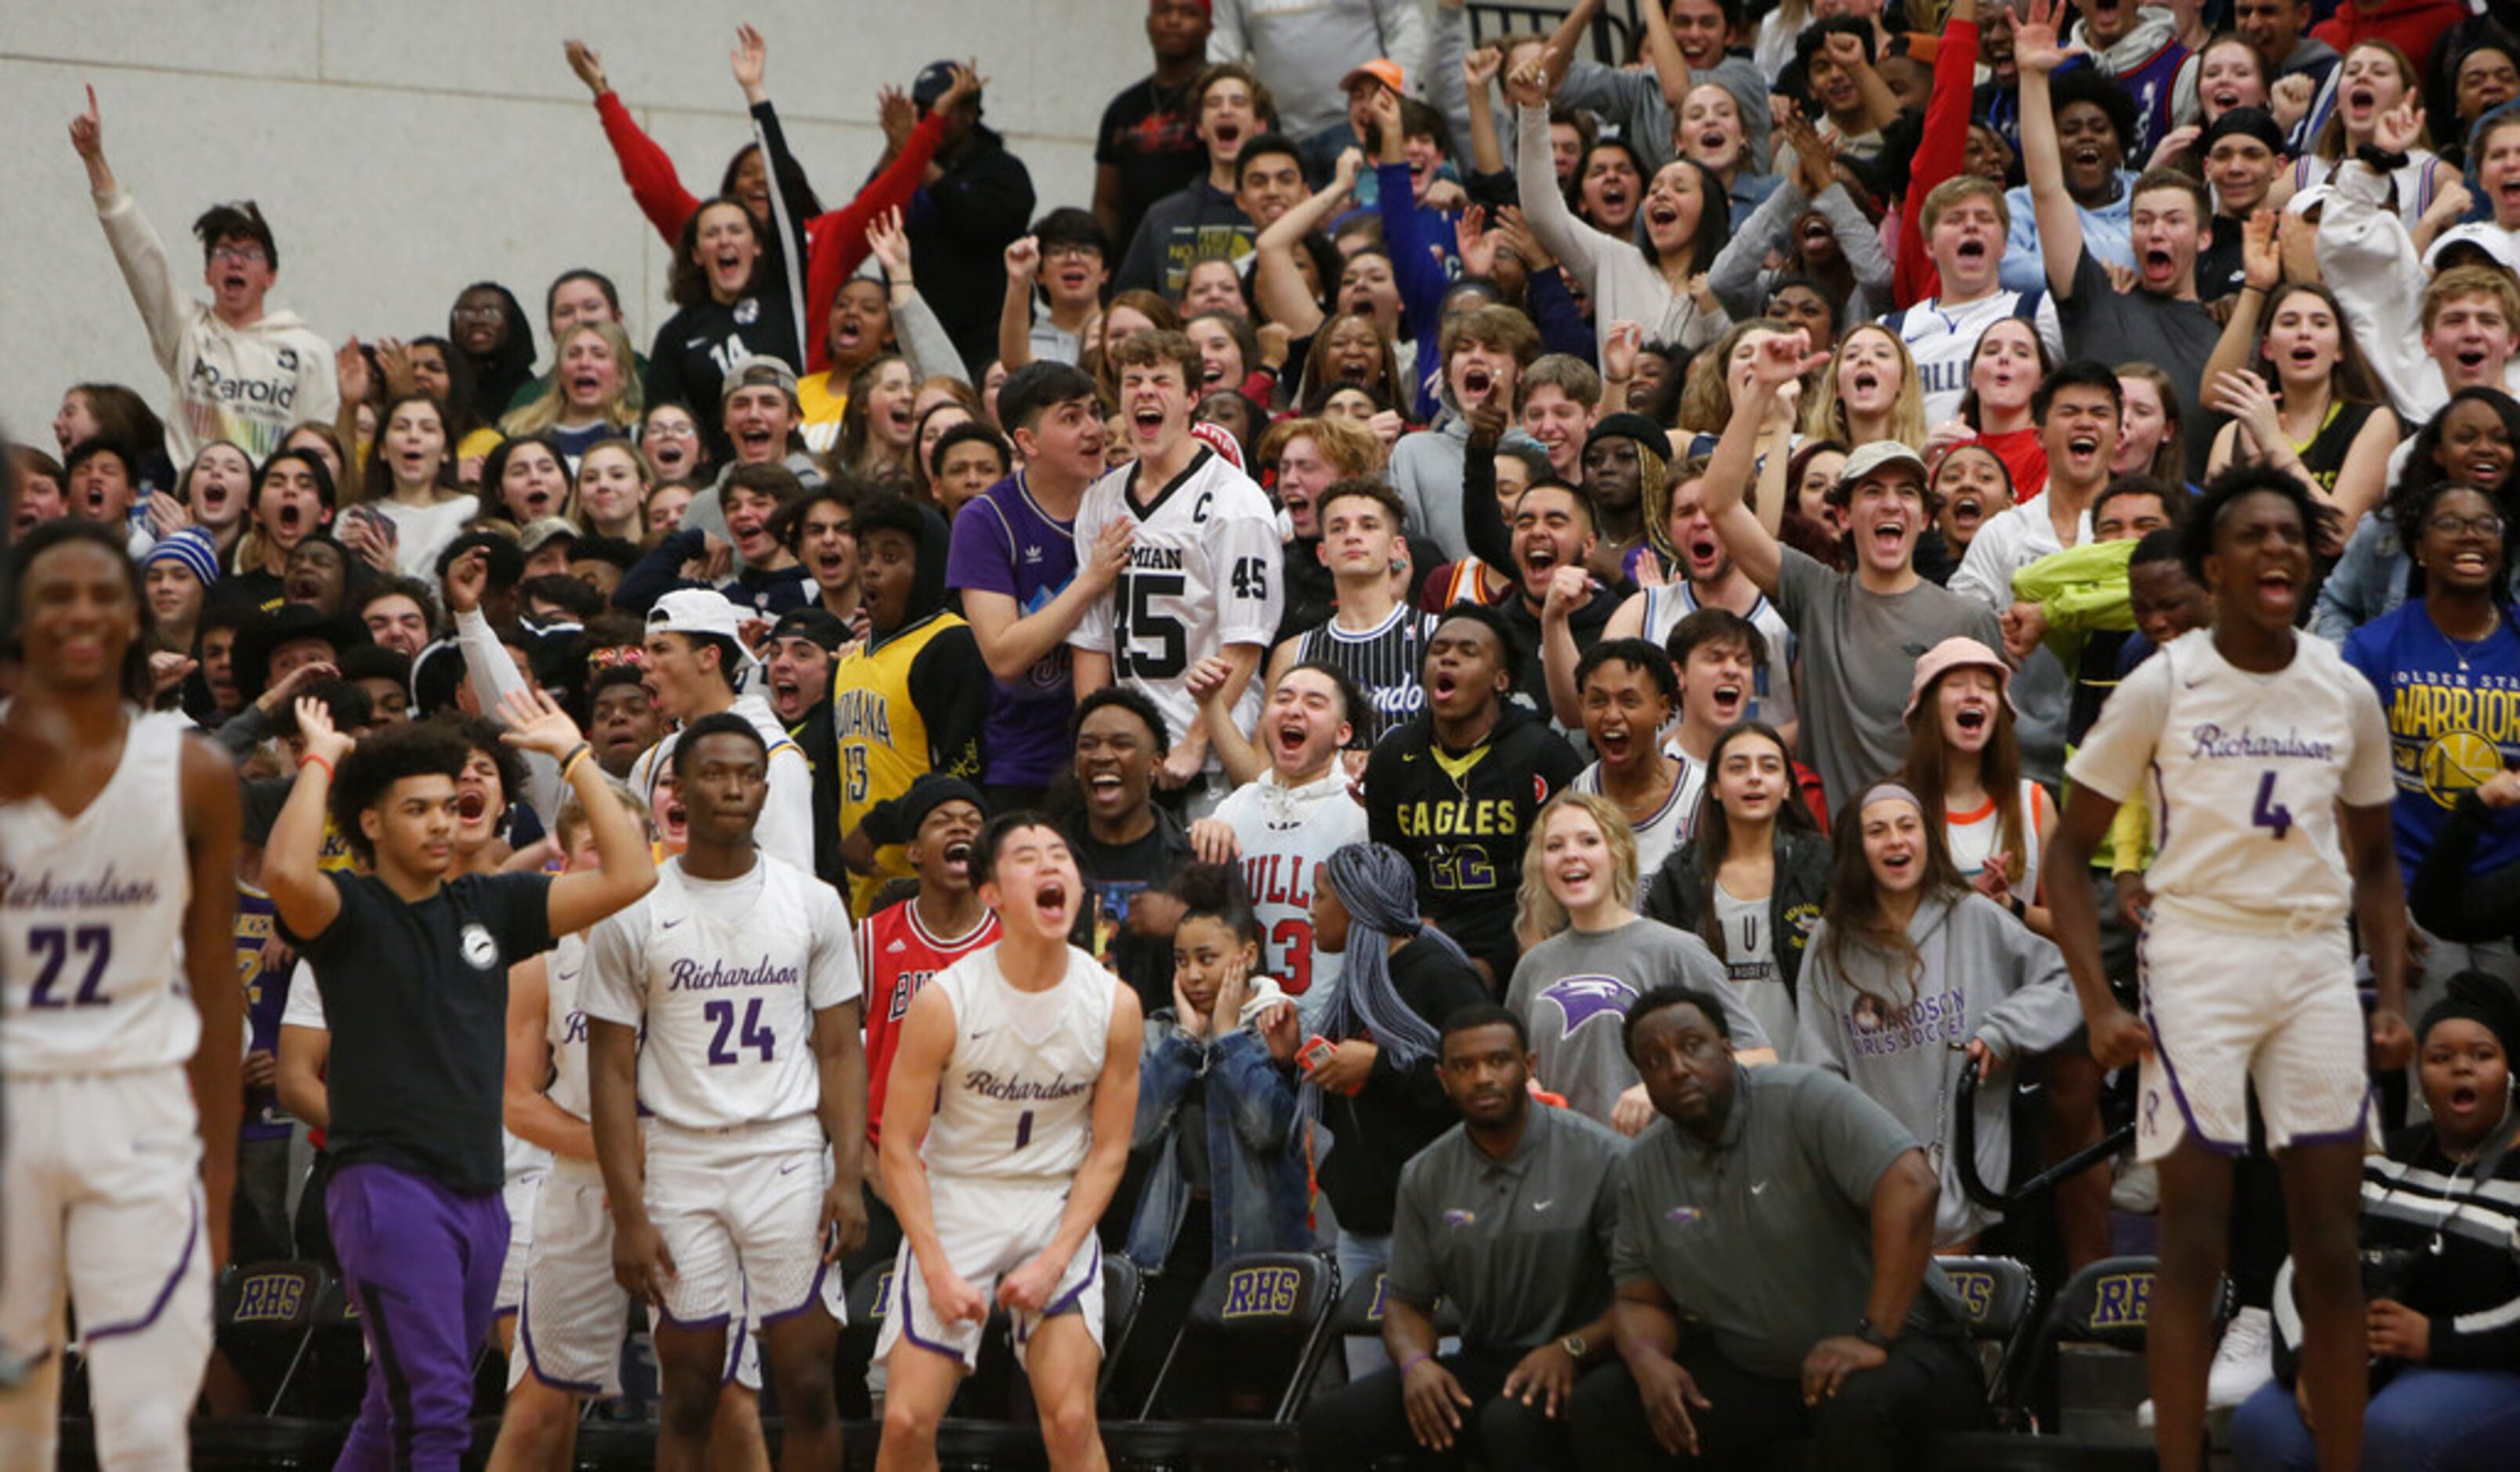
118	909
1203	575
740	968
573	1315
2266	758
1005	1127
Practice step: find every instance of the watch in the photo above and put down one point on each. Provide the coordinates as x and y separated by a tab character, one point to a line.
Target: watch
1574	1345
1870	1333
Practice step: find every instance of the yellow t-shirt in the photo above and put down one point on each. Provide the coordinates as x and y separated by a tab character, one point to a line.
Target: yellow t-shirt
822	399
881	740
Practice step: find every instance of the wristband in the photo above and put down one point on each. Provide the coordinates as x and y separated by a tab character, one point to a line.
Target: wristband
576	754
1412	1361
2020	910
311	759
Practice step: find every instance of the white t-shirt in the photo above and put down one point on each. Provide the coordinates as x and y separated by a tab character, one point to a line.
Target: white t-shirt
2244	772
1203	574
1671	823
726	975
785	829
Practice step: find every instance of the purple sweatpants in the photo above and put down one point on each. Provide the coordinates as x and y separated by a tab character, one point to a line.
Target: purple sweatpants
422	1262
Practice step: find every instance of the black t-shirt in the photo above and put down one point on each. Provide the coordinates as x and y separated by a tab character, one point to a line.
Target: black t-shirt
1150	135
1116	874
415	997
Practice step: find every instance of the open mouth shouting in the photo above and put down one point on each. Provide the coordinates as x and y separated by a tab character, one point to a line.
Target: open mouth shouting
470	804
1967	511
1050	901
2360	102
1289	739
1729	700
1661	215
1476	380
2083	450
2277	592
1704	556
1146	422
2160	267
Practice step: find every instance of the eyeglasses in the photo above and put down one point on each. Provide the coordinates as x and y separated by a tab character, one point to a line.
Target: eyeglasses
242	255
614	657
2488	525
1070	250
489	312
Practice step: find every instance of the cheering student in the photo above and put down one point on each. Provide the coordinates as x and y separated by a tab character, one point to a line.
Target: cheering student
413	970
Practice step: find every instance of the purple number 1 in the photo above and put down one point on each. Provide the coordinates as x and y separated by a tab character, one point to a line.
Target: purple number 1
2270	813
1023	1130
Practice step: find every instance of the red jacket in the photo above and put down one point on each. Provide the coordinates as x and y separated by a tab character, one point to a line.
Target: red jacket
1941	151
837	241
2413	26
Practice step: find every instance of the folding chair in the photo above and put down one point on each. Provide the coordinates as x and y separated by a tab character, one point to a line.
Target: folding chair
1247	1302
269	1316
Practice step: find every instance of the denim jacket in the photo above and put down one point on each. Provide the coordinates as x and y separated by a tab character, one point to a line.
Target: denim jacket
1256	1181
2368	580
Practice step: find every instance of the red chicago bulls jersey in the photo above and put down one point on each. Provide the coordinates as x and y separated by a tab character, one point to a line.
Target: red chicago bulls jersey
897	955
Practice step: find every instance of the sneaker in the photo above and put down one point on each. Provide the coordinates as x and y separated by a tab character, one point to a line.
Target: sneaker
2245	1361
2136	1190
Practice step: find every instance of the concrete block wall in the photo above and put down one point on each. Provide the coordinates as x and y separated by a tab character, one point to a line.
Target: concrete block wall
404	150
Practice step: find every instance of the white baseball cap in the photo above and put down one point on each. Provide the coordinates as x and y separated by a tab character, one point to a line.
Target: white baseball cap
695	611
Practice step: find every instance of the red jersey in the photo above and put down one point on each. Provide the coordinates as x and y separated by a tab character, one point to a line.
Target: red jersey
896	957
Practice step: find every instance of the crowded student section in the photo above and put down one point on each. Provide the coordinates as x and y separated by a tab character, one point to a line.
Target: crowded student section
1472	772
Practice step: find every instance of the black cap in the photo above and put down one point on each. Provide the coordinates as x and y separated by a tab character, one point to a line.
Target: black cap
1637	427
935	79
259	638
897	820
818	624
2254	122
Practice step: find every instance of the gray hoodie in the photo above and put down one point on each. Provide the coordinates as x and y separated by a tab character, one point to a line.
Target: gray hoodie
1979	974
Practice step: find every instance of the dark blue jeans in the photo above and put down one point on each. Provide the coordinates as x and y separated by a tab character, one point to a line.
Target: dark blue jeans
2424	1420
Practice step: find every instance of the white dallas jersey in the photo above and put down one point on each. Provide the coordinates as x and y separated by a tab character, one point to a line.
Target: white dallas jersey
1015	1102
726	976
1772	688
564	1025
2246	771
1203	574
1285	833
92	920
1943	337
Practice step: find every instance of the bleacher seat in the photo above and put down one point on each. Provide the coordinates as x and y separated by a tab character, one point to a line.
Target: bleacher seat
269	1318
1257	1302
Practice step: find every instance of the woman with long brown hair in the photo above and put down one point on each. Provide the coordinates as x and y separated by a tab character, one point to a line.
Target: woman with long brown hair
1965	763
1912	977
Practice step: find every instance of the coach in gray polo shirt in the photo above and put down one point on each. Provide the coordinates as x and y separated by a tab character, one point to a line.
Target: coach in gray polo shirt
1774	1267
1507	1219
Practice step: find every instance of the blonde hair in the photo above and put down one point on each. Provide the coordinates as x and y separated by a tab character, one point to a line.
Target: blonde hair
544	413
571	823
1825	412
1536	912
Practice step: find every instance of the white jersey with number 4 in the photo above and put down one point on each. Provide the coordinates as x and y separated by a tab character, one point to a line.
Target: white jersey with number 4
727	976
2243	772
1016	1102
92	920
1203	574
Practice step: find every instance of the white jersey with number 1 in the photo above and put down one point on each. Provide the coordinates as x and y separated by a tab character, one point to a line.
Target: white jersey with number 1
1203	574
2244	771
92	920
1016	1102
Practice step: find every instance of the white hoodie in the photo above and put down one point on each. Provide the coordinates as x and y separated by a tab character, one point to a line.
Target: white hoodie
248	385
2370	263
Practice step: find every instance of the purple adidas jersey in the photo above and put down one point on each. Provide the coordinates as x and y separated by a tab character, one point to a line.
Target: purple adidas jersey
1004	543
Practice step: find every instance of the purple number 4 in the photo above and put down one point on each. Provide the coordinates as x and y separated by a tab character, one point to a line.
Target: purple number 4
2270	813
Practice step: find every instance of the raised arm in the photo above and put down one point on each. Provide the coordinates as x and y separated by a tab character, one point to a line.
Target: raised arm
1941	150
137	250
1534	171
2035	51
654	185
627	867
1478	72
1015	311
1274	281
292	872
2261	272
1781	360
